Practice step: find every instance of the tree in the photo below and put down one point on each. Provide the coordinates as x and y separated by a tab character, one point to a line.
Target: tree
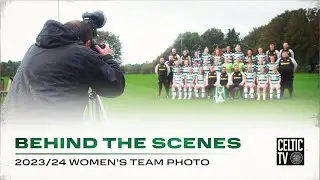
191	41
300	28
9	68
297	36
213	38
147	68
313	16
251	41
113	41
232	38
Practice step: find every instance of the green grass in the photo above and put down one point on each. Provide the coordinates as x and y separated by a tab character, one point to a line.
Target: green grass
140	100
6	79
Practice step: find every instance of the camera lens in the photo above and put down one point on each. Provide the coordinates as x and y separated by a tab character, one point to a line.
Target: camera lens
101	18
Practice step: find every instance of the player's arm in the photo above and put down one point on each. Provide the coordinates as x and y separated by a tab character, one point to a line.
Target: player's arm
218	79
279	79
267	55
258	82
189	60
243	76
230	79
242	57
292	53
168	69
195	80
278	54
174	79
179	59
156	69
278	62
205	83
295	64
206	78
182	79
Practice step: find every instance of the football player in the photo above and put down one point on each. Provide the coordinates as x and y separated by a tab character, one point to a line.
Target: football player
262	83
189	84
200	84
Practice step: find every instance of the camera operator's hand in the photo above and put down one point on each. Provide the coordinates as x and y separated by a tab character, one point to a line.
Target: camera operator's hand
104	51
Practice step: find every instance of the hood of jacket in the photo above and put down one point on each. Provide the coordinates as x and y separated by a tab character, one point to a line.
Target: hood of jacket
54	34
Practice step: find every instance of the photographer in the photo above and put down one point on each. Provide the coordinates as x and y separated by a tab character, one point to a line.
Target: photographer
55	74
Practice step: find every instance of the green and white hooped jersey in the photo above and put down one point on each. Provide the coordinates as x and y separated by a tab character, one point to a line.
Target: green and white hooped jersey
250	76
274	77
196	59
189	78
200	78
270	67
258	67
178	78
253	59
263	56
217	68
208	56
206	69
253	66
219	58
228	55
175	69
185	70
209	63
262	78
238	55
195	69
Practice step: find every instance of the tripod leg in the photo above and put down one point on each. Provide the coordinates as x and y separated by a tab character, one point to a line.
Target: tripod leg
98	115
102	113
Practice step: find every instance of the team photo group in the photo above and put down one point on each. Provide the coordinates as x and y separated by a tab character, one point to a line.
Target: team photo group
226	74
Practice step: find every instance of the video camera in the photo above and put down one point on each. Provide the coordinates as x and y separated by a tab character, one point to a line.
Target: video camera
95	108
97	20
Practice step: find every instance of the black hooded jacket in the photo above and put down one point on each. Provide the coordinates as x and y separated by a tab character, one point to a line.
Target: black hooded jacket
55	75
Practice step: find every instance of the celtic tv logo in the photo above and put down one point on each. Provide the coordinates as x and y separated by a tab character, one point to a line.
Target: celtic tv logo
290	151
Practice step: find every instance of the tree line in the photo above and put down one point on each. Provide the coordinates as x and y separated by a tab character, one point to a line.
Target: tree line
300	28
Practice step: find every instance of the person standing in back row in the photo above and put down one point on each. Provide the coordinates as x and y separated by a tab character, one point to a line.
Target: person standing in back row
162	70
272	52
286	67
286	48
175	56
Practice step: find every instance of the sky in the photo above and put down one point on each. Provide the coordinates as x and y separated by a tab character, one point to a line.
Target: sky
145	28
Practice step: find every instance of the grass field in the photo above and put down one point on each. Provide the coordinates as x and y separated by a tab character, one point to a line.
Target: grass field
140	100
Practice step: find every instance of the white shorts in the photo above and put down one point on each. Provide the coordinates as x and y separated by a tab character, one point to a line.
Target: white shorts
177	85
249	85
262	86
200	86
190	85
274	86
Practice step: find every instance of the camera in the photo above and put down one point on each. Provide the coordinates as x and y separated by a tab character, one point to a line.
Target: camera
96	20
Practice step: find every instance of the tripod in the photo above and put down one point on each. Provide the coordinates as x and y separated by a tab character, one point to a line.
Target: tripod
95	109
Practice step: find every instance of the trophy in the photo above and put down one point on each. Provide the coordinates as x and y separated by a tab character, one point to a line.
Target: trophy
220	94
